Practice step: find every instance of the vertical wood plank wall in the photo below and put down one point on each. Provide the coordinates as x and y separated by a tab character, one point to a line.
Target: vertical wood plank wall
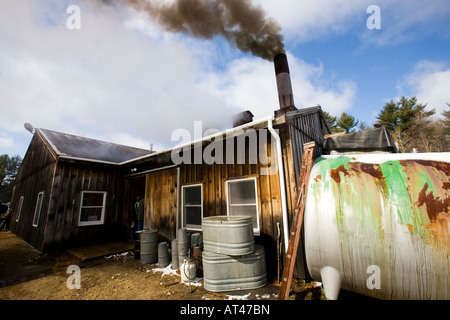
62	184
161	203
62	223
35	175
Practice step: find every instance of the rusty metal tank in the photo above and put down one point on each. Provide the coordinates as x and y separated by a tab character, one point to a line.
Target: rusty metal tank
378	225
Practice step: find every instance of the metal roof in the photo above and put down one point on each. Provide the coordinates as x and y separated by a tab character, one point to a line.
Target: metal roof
79	148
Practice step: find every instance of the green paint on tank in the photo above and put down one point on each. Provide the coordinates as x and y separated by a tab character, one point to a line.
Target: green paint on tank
368	190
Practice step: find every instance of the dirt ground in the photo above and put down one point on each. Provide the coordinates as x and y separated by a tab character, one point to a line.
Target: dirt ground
27	275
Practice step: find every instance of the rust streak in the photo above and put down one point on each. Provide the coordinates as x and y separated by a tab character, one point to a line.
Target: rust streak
373	170
334	173
435	206
439	165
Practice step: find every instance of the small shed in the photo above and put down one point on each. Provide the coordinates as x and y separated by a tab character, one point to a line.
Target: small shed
68	191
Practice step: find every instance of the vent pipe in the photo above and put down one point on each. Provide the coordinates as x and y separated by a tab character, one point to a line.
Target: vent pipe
242	118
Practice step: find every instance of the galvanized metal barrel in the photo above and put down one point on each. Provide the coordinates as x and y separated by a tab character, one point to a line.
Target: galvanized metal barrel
184	243
163	255
231	235
174	251
149	246
229	273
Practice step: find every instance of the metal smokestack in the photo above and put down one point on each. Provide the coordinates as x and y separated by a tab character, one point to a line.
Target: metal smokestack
285	95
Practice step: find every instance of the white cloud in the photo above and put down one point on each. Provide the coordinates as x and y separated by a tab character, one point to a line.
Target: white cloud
430	83
6	142
121	79
405	21
250	84
313	19
108	80
401	20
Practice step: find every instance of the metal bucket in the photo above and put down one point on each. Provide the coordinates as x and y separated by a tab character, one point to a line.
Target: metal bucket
229	273
149	246
163	255
175	261
230	235
184	243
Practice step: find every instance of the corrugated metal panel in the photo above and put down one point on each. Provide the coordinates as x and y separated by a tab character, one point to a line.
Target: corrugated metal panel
381	212
306	125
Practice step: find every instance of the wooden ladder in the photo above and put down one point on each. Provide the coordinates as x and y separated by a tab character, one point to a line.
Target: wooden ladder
297	221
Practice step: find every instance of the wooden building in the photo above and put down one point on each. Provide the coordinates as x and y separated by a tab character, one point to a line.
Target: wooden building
68	191
252	169
73	191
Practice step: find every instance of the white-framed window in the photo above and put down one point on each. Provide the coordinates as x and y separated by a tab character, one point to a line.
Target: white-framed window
19	208
192	200
92	209
37	209
242	200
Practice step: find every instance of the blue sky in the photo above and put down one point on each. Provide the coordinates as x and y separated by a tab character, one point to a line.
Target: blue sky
122	78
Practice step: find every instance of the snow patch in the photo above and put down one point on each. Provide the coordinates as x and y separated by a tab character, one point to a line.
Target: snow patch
168	271
236	297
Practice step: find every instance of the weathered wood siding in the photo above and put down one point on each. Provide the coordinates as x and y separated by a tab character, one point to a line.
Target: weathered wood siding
62	183
214	177
299	127
161	203
71	178
35	175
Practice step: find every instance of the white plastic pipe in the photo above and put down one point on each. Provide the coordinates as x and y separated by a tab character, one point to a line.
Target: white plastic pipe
282	183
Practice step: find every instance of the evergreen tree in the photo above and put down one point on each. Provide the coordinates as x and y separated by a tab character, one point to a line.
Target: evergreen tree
331	121
9	166
347	123
388	117
409	111
402	114
411	123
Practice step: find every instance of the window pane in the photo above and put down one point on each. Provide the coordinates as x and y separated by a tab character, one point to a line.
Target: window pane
92	210
92	199
193	216
91	214
37	210
193	195
242	192
192	206
19	210
245	211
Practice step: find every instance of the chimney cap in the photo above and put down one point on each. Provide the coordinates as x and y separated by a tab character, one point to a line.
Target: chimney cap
242	118
281	63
